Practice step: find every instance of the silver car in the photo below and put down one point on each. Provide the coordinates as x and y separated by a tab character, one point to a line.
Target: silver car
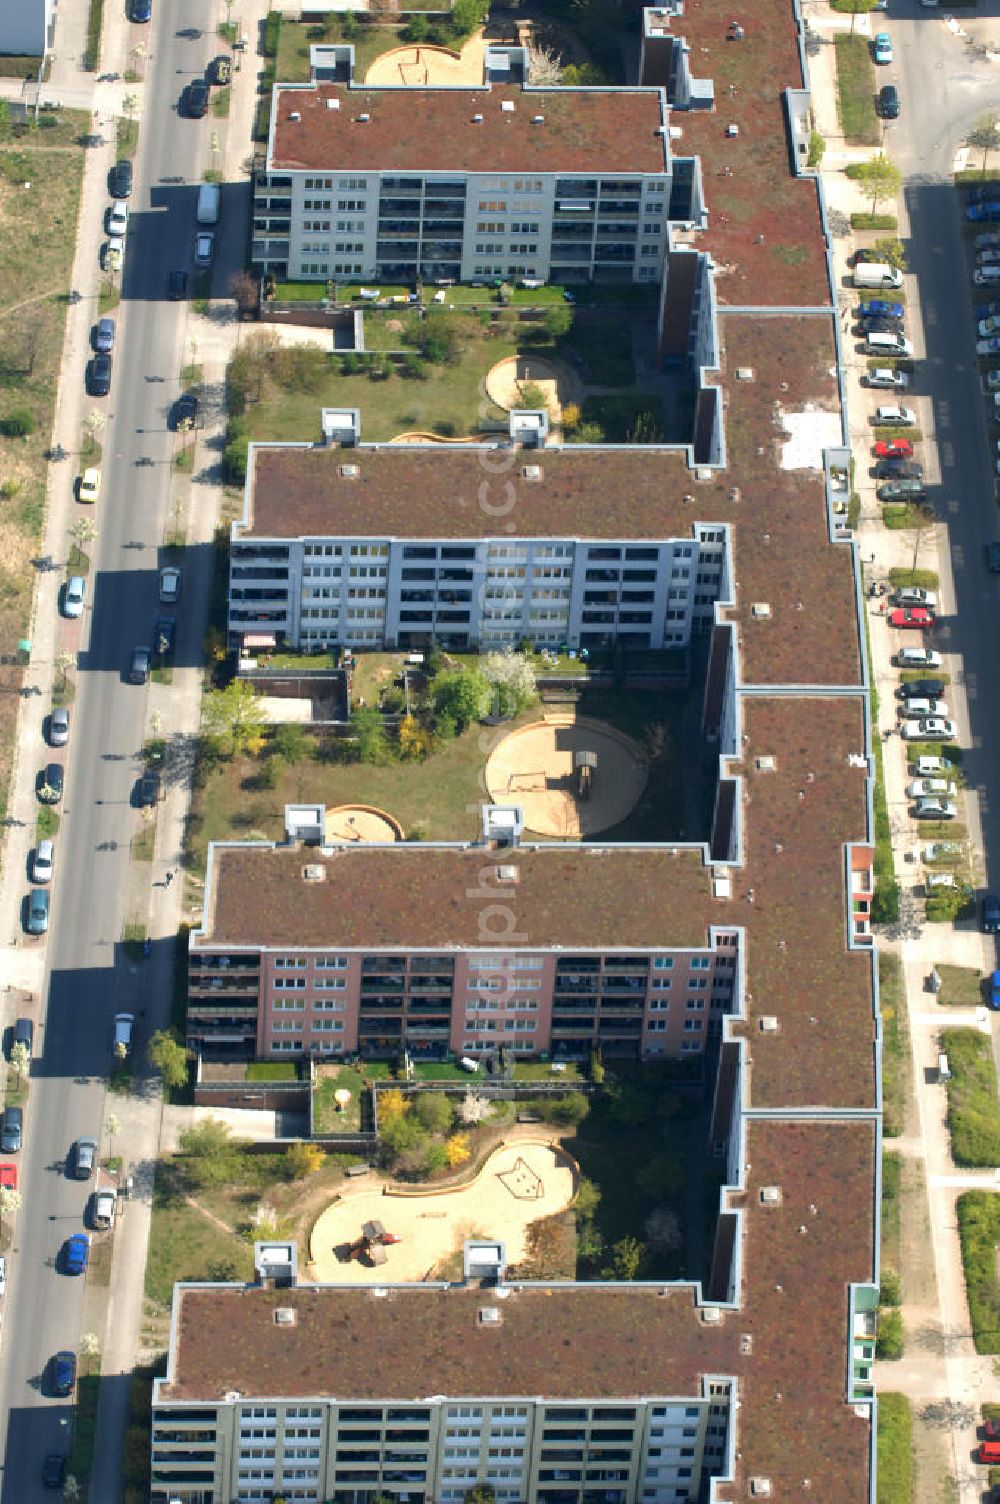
84	1158
41	862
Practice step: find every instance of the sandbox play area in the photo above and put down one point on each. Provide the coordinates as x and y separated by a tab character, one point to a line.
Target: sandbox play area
536	767
423	65
360	822
520	1183
506	380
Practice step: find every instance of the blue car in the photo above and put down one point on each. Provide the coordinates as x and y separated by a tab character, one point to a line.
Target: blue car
879	308
995	991
984	213
77	1253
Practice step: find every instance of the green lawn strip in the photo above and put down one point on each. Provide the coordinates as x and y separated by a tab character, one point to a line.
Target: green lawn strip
895	1446
961	986
296	38
895	1049
885	905
979	1232
184	1243
856	90
326	1117
892	1174
14	65
927	579
92	56
81	1453
272	1070
973	1112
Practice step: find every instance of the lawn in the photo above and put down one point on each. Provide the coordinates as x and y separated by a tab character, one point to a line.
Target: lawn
185	1244
856	90
961	986
895	1035
892	1171
973	1113
296	37
895	1442
333	1078
40	175
979	1231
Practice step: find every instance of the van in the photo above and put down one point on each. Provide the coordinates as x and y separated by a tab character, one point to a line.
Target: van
877	274
944	1074
888	344
209	195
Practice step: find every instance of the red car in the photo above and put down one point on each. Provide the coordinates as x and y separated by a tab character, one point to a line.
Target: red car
893	449
913	616
8	1177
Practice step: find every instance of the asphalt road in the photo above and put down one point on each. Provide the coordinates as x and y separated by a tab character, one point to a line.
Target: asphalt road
88	978
944	89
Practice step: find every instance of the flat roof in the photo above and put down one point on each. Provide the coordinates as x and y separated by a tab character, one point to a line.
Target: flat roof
353	128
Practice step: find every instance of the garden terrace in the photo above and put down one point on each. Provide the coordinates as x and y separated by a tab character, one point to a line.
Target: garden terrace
764	228
359	129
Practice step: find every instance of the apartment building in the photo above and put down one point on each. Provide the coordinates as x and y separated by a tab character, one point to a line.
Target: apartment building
399	546
466	184
323	951
338	1428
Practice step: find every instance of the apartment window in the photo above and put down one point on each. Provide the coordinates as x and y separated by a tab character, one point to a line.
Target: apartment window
700	963
663	963
289	984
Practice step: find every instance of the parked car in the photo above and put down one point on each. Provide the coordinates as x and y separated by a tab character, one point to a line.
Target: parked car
988	256
99	375
888	102
41	862
63	1373
37	915
142	10
891	413
170	585
993	557
885	376
138	670
84	1158
112	252
59	727
185	412
74	595
103	1209
938	882
882	47
104	336
994	1433
881	326
118	219
991	914
196	98
204	249
219	70
927	788
917	658
983	213
899	469
942	851
89	485
930	729
147	793
8	1177
76	1253
24	1033
990	346
880	308
986	239
11	1129
54	1470
121	179
901	490
986	276
177	282
920	689
49	784
914	595
988	326
922	708
164	635
917	617
121	1037
893	449
988	310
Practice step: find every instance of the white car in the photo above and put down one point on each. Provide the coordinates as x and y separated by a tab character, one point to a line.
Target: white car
104	1209
986	276
923	788
76	594
170	585
90	484
989	326
118	218
986	240
931	729
922	708
993	380
935	809
114	250
204	249
3	1274
896	381
988	256
939	851
41	862
935	881
892	413
917	658
914	595
929	766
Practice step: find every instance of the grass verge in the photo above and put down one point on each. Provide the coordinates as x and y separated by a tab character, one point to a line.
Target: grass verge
856	91
979	1233
973	1112
895	1049
92	56
81	1454
895	1447
961	987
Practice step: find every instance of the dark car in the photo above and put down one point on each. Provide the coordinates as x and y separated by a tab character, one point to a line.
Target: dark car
99	376
888	102
121	179
185	412
164	635
984	213
881	326
177	284
993	557
196	98
921	689
899	469
49	785
63	1373
24	1033
219	70
902	490
879	308
991	914
142	10
11	1129
138	669
54	1470
147	793
104	336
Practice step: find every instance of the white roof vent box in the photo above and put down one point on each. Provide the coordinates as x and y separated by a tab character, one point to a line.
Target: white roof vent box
507	874
507	106
350	472
765	763
294	115
760	1488
284	1316
770	1195
314	872
490	1316
760	609
744	373
532	472
768	1024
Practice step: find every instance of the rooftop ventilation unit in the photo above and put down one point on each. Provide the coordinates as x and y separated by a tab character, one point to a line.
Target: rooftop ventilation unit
507	106
721	886
313	872
770	1195
350	472
765	764
760	608
760	1488
333	104
284	1316
490	1316
532	472
477	119
768	1024
364	118
746	1344
295	115
711	1316
538	119
507	874
744	373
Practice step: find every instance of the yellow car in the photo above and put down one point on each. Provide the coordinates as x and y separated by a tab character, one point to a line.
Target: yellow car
90	484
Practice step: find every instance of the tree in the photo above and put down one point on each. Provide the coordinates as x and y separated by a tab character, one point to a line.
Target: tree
544	67
879	177
434	1112
402	1134
90	1345
369	734
391	1105
464	694
29	327
234	712
559	321
891	250
661	1174
817	148
854	9
569	1110
439	341
417	27
168	1056
474	1108
10	1202
531	396
627	1257
244	289
516	686
83	531
457	1149
415	741
302	1159
985	136
20	1060
663	1229
291	742
71	1487
583	75
64	661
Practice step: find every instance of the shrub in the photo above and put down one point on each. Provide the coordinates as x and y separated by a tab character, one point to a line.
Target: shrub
434	1112
817	146
291	742
973	1114
272	31
435	1159
439	341
889	1342
569	1110
350	364
416	28
891	1290
412	367
979	1233
18	423
234	456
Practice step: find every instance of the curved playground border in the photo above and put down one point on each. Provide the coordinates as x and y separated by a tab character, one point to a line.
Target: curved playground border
370	809
466	1182
541	815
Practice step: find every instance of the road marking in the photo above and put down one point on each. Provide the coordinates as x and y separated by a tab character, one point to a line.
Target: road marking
946	451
